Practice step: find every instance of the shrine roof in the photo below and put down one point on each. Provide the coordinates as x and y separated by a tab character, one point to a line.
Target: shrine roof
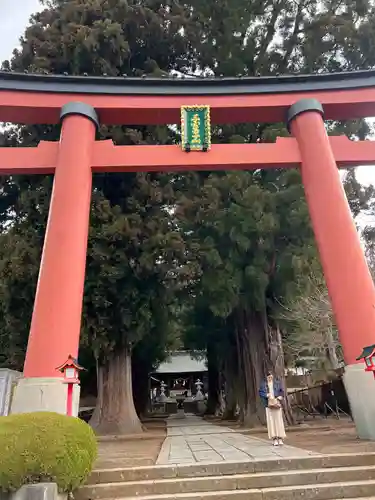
182	362
125	85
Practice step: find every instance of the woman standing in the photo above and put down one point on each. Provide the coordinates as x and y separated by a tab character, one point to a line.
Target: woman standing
271	394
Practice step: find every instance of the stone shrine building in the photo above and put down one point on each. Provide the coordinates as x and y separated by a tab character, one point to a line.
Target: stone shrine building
180	376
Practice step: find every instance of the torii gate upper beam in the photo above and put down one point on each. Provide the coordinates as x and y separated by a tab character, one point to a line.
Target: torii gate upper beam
38	99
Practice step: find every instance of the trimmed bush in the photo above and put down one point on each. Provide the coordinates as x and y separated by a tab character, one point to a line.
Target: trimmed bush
45	447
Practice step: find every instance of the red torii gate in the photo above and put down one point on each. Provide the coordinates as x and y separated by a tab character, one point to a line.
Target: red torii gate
82	103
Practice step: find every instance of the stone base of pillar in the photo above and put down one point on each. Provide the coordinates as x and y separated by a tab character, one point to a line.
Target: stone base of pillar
360	388
43	394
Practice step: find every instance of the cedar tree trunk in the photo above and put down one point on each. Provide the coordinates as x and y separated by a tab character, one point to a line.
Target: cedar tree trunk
252	356
115	412
278	366
213	380
231	381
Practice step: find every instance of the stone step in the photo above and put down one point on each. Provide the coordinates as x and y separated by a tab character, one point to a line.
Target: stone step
348	490
121	474
252	481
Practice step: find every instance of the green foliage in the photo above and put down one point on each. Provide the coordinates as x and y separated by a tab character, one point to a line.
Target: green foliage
254	235
45	447
131	251
20	251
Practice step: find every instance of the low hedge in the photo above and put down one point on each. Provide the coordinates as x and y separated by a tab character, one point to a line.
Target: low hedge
45	447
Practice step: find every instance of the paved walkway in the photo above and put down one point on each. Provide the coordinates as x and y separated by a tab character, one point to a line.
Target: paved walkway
191	440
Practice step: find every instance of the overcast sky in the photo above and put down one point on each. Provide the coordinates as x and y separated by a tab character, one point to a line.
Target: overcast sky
14	16
14	19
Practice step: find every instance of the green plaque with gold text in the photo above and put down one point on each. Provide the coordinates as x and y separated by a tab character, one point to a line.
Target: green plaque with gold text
195	128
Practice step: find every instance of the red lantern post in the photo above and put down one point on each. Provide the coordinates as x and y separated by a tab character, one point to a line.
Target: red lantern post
71	370
368	356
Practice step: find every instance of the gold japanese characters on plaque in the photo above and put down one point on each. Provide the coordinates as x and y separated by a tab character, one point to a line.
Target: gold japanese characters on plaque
195	128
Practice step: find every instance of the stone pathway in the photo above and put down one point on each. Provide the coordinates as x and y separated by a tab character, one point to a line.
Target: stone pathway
192	440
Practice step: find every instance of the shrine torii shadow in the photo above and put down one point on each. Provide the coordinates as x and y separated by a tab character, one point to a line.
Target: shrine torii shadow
82	103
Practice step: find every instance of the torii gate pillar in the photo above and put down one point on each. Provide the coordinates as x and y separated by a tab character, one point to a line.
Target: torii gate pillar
350	285
56	320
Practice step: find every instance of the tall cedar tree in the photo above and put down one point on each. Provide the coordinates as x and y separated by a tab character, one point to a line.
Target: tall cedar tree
257	242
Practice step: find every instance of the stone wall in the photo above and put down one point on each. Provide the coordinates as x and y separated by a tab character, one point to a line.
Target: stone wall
8	381
42	491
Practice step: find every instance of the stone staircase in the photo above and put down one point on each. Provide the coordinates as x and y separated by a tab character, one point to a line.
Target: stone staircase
319	477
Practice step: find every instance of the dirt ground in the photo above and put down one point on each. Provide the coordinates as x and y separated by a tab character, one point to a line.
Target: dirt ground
327	437
132	451
335	440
